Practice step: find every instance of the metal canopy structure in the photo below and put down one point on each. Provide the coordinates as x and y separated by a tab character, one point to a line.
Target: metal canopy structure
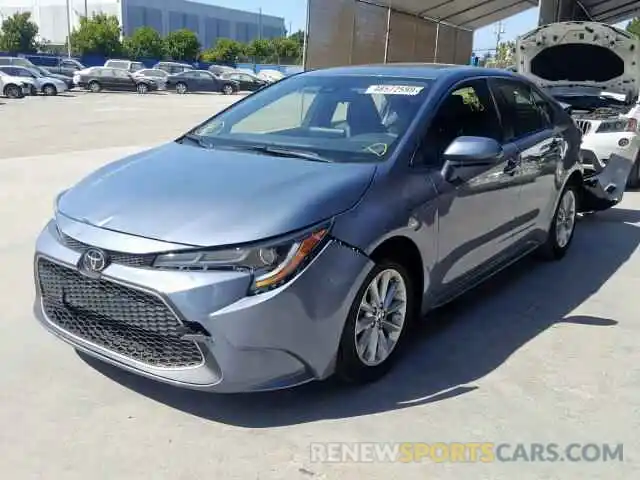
605	11
610	11
468	14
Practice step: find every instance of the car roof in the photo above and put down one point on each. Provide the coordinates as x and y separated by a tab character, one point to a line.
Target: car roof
415	70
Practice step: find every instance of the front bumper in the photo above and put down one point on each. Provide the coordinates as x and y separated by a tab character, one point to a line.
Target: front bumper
275	340
598	148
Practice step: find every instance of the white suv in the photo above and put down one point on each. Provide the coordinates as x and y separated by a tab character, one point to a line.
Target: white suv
594	68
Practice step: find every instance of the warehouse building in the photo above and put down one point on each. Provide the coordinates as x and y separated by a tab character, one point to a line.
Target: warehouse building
210	22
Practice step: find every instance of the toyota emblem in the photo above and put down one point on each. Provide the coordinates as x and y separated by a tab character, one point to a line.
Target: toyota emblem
94	260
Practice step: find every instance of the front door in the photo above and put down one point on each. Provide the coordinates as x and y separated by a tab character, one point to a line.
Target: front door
476	213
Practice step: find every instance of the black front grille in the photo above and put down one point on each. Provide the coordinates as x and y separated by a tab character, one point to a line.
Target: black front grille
120	258
132	323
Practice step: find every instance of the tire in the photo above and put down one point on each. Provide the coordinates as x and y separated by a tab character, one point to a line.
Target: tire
181	88
562	226
95	87
49	90
228	90
13	91
634	176
354	362
142	88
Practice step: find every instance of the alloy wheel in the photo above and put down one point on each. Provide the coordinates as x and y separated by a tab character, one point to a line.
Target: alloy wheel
381	317
566	218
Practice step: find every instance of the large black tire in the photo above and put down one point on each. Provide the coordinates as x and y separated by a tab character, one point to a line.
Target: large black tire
228	89
142	88
94	86
350	366
181	88
555	248
13	91
50	90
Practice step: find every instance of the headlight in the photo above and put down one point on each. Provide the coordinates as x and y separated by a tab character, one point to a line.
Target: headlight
621	125
271	264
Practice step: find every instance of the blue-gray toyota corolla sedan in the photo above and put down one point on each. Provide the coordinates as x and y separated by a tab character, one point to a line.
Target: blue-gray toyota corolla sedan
300	232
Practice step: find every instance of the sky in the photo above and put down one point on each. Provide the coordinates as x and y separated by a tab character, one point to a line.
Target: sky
294	13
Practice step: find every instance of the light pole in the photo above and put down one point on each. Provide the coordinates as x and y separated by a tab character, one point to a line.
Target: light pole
68	30
305	38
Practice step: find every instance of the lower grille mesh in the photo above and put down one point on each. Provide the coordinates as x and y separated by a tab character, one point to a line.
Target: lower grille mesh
135	324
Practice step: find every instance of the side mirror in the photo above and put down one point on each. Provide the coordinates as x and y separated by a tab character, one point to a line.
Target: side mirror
566	108
468	152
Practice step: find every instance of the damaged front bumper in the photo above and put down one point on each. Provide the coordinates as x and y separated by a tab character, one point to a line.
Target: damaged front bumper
603	186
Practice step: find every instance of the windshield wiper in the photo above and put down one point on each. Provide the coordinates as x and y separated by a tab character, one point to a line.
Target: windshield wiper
197	139
284	152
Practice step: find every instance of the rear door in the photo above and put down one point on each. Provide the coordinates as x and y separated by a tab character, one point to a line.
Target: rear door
528	123
123	81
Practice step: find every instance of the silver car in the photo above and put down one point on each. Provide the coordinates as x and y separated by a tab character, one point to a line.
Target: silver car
155	74
41	84
299	233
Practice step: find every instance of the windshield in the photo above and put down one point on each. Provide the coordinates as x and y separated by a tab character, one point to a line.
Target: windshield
338	118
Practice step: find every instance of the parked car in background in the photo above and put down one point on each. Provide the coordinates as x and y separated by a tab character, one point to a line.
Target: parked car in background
47	73
66	66
41	84
14	87
201	81
302	232
270	76
246	82
155	74
127	65
599	81
17	61
221	70
173	67
115	79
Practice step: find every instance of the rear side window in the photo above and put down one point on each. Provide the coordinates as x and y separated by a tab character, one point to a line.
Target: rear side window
523	111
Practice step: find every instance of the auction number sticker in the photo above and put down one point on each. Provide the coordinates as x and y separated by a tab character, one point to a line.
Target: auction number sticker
394	90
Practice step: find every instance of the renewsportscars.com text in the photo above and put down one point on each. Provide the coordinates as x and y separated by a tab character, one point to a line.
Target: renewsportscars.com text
469	452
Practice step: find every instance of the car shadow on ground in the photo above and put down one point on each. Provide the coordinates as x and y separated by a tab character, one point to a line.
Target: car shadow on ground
451	352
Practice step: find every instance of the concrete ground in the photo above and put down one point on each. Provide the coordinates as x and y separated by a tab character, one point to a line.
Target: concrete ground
546	353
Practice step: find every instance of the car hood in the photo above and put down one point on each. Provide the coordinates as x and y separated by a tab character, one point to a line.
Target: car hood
608	57
205	197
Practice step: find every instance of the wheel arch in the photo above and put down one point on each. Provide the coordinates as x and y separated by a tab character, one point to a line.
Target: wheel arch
404	251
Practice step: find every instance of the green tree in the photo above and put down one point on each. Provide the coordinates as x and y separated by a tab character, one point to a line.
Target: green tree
504	57
182	45
145	42
298	37
19	34
260	50
99	35
225	51
286	50
634	26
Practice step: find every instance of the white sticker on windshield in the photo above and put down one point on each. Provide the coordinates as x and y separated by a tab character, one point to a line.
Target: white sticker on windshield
394	89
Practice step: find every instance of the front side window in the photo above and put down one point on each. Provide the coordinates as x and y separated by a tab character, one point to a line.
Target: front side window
522	115
335	117
468	110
